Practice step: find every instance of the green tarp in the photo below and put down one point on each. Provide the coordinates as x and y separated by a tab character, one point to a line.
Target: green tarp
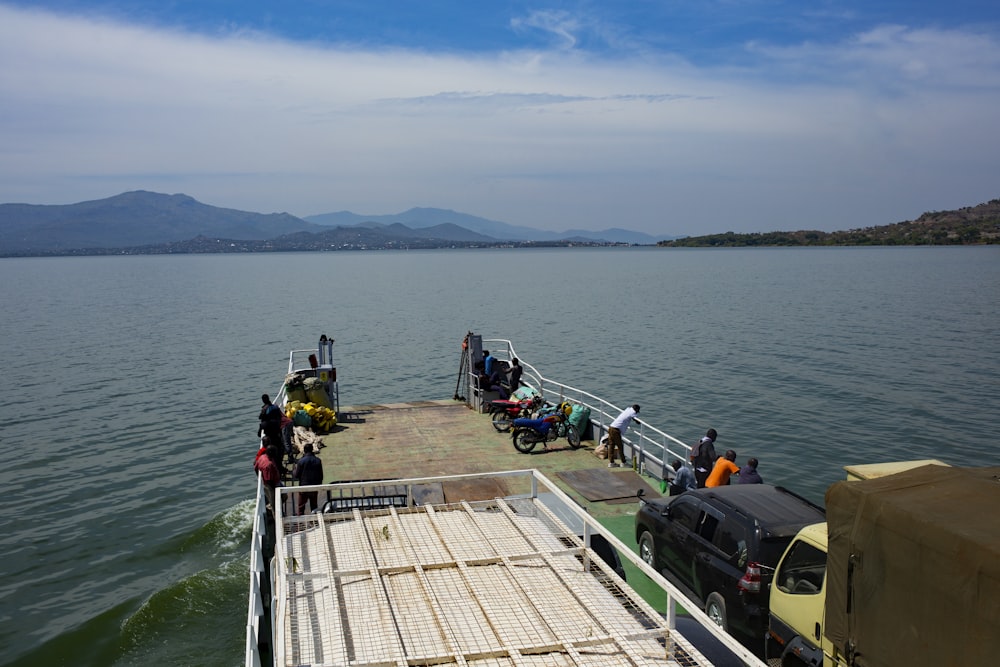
913	574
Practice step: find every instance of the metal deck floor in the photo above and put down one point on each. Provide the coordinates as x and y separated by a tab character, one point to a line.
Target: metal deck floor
430	438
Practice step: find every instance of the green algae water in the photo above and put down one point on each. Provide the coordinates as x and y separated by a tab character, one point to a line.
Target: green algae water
134	387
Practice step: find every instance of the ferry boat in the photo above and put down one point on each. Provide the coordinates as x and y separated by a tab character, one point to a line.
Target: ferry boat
441	544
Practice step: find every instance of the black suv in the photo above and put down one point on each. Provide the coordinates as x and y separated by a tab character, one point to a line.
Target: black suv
721	545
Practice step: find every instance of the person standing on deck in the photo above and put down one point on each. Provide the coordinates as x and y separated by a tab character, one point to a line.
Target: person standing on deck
515	374
308	471
270	422
287	436
265	466
617	430
724	467
703	457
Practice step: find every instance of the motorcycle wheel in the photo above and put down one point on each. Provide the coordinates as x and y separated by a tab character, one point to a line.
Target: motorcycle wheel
572	436
502	421
524	440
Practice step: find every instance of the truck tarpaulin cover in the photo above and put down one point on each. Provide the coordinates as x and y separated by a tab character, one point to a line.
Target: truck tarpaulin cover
913	574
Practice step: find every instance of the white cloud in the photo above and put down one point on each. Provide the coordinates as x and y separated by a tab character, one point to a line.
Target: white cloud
560	24
893	123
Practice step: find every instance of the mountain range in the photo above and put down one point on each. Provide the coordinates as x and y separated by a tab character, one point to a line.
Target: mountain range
416	218
147	220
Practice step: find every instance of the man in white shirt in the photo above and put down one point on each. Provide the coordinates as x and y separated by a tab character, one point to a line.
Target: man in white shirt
615	432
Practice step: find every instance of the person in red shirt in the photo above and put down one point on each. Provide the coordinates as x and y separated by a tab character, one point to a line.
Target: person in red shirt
265	466
724	467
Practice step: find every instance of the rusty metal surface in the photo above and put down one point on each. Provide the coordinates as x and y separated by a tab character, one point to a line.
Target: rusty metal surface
607	484
431	438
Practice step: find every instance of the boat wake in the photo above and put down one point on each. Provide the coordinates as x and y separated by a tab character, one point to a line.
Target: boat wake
199	606
191	622
187	622
226	533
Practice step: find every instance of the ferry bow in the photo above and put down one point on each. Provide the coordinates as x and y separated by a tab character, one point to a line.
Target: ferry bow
494	567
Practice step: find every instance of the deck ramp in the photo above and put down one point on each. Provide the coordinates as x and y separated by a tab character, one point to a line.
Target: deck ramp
500	582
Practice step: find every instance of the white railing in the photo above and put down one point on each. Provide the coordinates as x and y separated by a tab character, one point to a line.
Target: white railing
650	449
257	567
539	484
297	360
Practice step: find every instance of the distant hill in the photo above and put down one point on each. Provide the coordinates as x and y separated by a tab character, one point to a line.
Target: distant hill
148	222
970	225
444	231
132	219
143	221
421	218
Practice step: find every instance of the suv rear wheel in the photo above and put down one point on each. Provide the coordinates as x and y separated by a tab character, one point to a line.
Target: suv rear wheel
647	550
715	607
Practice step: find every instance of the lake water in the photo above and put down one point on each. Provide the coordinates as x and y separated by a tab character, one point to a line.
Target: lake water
134	387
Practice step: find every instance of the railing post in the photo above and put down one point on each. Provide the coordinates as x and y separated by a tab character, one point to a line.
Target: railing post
671	619
663	461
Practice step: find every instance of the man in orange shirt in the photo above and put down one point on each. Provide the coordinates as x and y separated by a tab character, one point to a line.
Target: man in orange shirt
724	467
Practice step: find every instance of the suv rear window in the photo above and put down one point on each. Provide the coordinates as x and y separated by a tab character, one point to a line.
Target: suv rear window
772	549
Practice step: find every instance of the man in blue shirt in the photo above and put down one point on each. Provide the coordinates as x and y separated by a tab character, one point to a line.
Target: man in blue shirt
748	473
683	478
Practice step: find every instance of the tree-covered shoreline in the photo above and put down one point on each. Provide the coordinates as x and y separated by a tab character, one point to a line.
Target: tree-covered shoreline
972	225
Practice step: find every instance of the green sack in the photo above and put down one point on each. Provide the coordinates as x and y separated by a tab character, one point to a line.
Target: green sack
579	417
302	418
523	393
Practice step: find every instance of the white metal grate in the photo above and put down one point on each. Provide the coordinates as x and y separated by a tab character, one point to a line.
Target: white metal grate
486	583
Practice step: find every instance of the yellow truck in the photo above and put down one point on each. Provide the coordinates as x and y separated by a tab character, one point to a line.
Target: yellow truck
905	571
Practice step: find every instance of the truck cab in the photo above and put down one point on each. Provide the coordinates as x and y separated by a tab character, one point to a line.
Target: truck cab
795	633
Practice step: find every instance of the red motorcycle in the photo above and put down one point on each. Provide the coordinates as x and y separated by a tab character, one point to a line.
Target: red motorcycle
504	412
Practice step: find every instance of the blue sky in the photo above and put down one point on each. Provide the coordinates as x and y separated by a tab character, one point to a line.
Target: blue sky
671	118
